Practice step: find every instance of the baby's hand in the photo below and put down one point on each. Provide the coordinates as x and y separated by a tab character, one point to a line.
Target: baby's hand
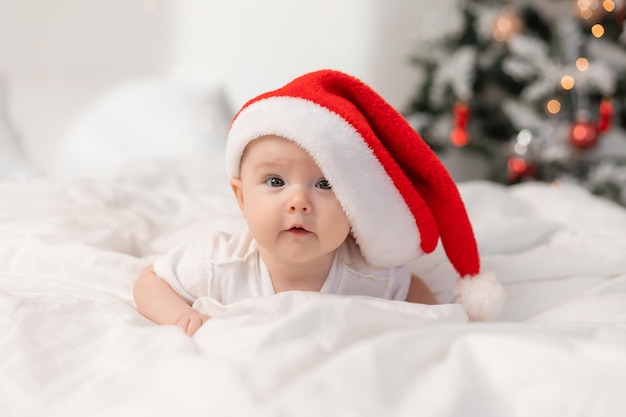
191	322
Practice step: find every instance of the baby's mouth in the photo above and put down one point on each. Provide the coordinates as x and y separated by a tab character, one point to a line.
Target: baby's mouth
298	230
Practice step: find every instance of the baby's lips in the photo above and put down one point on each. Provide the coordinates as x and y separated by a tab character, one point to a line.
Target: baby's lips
298	229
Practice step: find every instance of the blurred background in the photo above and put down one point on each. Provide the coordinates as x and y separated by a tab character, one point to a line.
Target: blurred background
60	57
506	90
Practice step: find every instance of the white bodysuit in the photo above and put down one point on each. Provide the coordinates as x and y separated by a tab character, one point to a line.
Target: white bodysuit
228	268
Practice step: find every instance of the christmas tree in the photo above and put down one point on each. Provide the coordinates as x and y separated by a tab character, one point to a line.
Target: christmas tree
537	88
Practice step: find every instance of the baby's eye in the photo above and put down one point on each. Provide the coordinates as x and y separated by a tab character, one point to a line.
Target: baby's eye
324	184
274	181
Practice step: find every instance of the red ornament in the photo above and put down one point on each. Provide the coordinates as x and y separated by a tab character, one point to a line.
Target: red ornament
584	135
459	135
518	169
605	114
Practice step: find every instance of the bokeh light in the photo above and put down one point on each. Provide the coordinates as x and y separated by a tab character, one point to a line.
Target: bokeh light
582	64
567	82
553	106
597	30
609	5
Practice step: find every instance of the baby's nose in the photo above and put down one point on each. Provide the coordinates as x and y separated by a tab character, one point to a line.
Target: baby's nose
299	202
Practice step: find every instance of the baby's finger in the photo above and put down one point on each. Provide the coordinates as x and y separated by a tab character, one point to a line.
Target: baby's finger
194	324
183	323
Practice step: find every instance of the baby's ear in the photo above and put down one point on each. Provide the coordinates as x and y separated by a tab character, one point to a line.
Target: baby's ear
235	184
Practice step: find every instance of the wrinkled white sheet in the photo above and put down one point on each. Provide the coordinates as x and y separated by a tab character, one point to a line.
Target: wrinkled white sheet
72	344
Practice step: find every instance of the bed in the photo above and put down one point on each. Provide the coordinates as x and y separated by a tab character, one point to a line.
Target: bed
72	343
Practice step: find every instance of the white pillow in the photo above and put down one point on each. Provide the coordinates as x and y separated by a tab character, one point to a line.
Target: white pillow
143	121
14	163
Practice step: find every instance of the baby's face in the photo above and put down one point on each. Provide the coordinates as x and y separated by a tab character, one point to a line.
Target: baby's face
289	206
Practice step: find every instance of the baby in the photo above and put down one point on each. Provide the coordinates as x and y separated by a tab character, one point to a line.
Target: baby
339	193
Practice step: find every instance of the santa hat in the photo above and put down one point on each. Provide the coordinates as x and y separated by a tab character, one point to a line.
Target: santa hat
397	195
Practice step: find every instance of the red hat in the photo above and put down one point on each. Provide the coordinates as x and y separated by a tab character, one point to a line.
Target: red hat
396	193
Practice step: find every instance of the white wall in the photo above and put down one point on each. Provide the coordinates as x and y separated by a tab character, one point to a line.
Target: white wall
78	39
253	46
61	55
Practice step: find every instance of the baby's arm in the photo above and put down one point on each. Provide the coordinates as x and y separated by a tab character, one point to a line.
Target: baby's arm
419	292
157	301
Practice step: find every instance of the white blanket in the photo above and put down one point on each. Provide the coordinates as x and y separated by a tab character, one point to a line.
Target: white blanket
72	343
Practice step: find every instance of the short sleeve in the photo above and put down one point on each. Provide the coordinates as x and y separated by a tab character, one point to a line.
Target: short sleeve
186	270
353	276
401	282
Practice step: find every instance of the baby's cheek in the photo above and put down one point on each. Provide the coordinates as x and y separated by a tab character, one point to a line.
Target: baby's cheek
340	223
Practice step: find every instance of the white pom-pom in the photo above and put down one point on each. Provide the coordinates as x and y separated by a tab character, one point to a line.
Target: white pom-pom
482	296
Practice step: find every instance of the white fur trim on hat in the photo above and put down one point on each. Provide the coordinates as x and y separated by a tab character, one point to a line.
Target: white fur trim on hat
373	205
482	296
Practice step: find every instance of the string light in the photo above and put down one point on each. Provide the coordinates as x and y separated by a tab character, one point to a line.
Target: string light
553	106
506	26
524	137
609	5
593	11
582	64
588	9
597	30
567	82
520	149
